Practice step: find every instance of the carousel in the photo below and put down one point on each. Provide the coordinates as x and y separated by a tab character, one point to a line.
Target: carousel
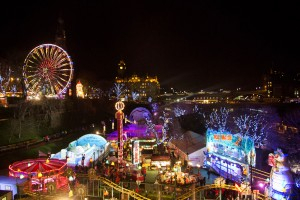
41	172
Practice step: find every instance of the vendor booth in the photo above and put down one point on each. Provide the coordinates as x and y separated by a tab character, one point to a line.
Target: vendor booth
230	155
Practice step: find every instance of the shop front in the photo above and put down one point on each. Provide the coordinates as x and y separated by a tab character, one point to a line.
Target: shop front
230	155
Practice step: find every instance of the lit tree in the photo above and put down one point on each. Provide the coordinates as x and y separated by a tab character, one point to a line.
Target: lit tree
14	89
165	136
134	95
196	109
5	72
179	112
254	126
166	121
154	107
217	120
118	89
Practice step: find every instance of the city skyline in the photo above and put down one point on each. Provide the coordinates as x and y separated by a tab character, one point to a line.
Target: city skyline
187	45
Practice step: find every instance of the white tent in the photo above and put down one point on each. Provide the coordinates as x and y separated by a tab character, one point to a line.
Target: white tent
191	148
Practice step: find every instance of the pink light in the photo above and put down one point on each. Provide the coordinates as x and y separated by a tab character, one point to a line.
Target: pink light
261	185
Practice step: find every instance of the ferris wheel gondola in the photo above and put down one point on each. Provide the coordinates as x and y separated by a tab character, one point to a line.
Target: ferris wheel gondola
47	71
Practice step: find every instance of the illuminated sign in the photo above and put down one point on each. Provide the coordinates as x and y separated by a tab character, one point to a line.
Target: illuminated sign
227	137
136	152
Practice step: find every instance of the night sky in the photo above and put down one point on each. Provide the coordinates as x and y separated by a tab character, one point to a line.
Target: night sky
189	45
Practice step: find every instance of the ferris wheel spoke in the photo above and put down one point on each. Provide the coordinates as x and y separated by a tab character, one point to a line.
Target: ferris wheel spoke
56	53
41	53
35	58
58	78
35	86
47	52
38	54
59	57
31	61
51	86
62	86
51	52
60	70
32	81
49	68
33	75
29	66
62	65
60	62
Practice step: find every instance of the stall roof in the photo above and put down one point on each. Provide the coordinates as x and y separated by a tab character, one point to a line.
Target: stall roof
160	158
191	142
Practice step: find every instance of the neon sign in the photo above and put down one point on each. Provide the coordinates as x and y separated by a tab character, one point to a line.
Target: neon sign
136	152
226	137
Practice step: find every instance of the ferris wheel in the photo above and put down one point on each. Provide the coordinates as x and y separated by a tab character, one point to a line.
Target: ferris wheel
48	70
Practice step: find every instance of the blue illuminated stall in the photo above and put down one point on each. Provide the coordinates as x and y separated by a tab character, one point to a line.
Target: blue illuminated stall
230	154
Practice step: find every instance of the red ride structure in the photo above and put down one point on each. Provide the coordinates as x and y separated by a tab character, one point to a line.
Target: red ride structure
40	171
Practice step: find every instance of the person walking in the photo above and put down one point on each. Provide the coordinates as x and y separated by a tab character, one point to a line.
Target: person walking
208	173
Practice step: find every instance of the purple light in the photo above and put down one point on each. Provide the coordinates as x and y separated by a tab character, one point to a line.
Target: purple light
261	185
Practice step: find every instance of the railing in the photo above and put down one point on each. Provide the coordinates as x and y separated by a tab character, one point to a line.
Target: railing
259	174
215	186
121	189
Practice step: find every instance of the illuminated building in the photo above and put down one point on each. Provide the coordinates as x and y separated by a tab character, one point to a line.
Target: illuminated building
281	85
79	90
145	87
94	93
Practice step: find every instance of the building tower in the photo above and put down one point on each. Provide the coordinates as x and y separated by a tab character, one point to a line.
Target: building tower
121	69
60	37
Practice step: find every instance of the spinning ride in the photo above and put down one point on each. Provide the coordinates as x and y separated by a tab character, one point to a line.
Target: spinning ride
48	70
40	172
31	167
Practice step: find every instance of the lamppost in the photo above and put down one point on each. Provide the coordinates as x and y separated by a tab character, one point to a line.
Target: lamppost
119	115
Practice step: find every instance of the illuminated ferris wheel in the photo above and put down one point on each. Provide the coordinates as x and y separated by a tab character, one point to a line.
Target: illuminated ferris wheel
48	71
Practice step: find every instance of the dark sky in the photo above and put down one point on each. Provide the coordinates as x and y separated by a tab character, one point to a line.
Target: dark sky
190	45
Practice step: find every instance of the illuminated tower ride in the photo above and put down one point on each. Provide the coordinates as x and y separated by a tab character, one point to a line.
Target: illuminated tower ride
120	116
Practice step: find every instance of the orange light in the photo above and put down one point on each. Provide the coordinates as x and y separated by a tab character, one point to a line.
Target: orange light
40	175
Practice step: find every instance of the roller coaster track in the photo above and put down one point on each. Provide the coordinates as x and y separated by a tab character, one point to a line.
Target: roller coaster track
140	197
259	174
213	186
121	189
